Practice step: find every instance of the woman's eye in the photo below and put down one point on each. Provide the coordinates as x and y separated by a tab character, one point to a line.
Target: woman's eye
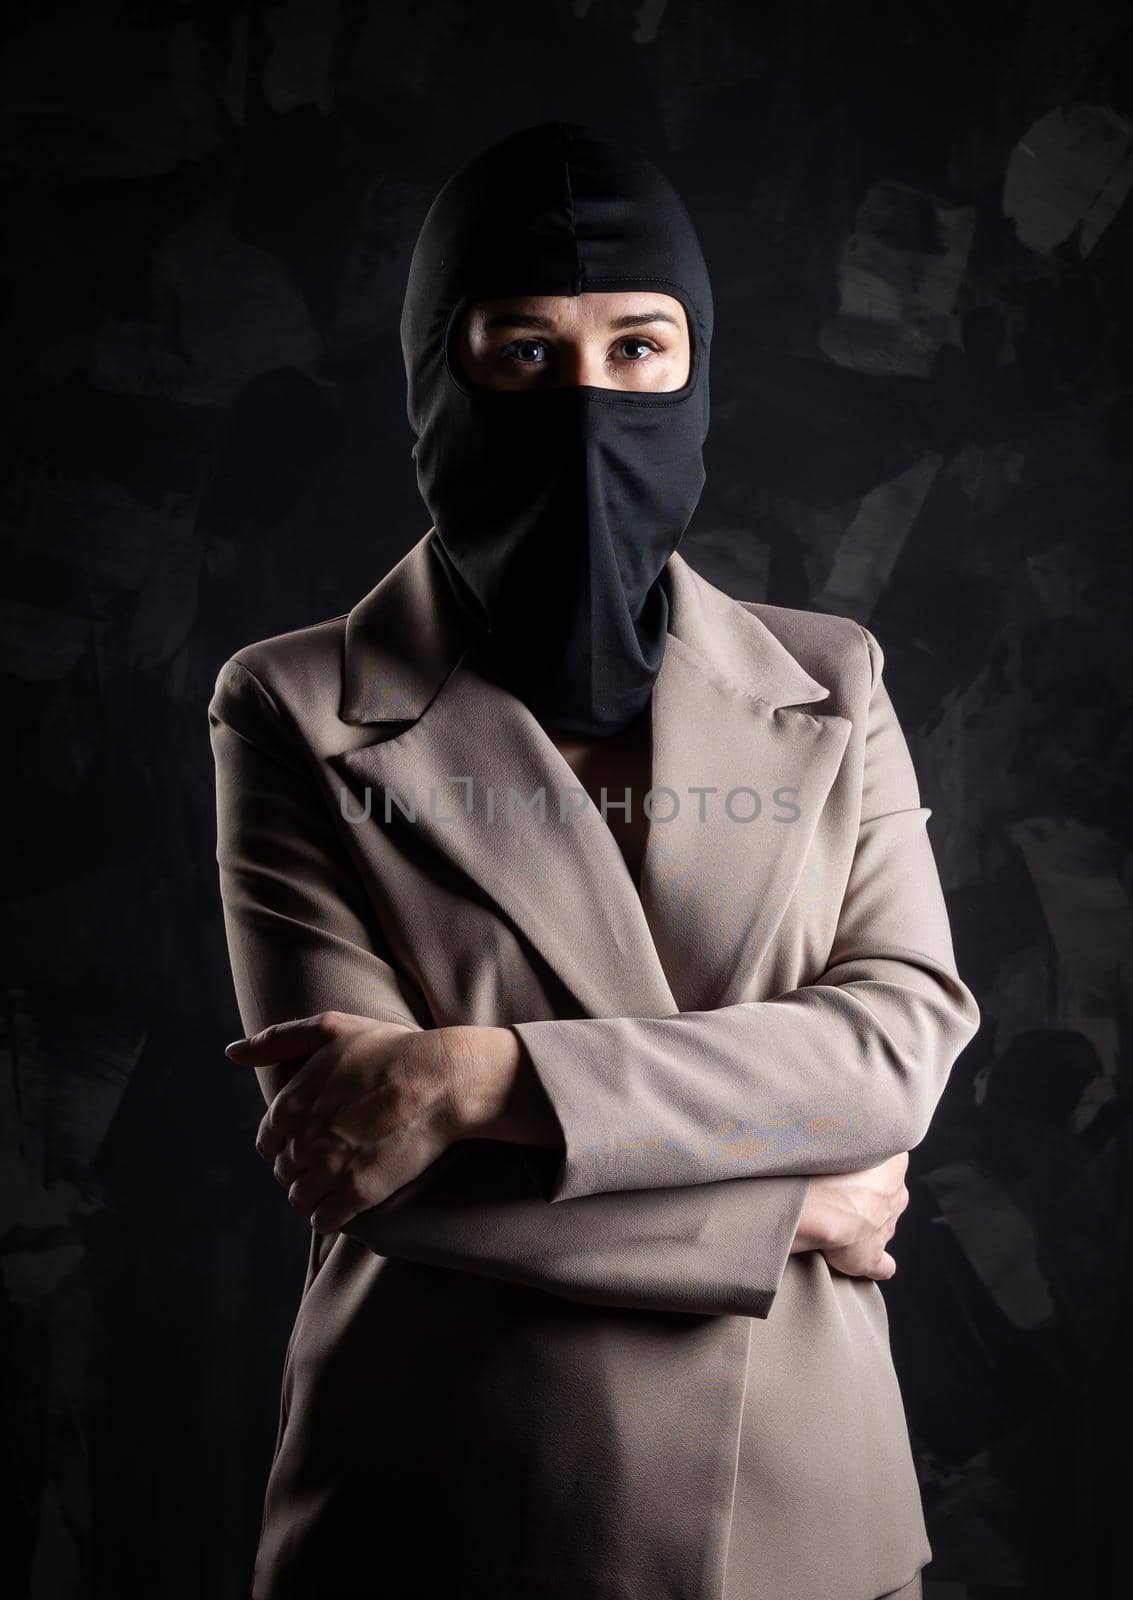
517	345
643	344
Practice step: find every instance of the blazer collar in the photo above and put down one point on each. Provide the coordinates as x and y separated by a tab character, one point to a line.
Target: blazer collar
404	638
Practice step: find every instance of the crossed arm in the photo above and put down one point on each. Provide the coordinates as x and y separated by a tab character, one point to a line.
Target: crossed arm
681	1176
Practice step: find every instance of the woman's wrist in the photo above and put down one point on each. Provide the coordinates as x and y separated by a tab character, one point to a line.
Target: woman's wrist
496	1091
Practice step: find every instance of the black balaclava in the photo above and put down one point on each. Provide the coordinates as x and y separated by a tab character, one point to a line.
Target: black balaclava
556	510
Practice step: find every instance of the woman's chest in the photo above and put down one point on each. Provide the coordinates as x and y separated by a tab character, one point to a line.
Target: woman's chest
616	774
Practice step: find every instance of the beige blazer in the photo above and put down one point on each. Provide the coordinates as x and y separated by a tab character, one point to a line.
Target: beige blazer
596	1373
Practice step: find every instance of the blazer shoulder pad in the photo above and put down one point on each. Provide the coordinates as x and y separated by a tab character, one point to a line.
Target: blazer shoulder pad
301	666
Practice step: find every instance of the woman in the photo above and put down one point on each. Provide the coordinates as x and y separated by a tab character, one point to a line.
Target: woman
597	990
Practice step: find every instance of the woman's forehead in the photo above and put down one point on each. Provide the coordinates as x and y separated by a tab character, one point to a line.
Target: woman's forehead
609	308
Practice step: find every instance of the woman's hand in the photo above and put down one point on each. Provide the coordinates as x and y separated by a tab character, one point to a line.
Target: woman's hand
373	1105
851	1216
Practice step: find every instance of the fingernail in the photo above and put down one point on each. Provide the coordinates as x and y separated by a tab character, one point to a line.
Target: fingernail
236	1047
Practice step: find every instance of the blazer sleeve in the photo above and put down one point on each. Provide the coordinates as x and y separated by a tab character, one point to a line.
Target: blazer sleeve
302	938
835	1076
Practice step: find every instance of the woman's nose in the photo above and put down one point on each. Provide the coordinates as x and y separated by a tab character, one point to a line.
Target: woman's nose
581	365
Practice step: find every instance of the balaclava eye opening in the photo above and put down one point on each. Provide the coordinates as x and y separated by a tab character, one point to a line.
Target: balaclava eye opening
555	510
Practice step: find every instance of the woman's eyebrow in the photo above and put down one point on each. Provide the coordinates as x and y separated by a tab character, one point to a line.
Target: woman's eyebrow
524	319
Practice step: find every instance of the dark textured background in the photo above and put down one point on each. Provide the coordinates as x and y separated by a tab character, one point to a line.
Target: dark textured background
918	223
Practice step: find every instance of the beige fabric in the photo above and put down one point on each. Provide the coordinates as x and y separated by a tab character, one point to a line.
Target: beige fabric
599	1374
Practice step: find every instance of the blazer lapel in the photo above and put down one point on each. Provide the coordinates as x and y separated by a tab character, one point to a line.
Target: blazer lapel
553	870
493	796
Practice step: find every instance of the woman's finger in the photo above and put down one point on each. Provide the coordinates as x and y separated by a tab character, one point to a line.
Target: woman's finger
289	1165
335	1210
310	1189
290	1112
283	1041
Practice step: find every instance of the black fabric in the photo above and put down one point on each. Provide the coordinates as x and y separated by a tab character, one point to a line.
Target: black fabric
555	510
